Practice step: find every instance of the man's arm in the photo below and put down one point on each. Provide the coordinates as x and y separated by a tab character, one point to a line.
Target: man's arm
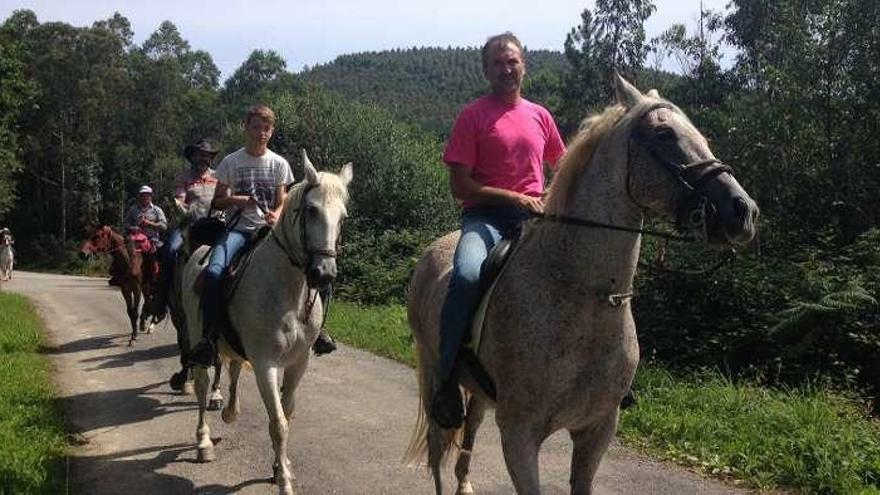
465	188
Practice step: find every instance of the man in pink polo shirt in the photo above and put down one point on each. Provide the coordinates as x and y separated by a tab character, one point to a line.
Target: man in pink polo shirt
496	156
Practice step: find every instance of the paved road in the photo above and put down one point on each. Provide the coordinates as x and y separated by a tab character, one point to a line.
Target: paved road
354	416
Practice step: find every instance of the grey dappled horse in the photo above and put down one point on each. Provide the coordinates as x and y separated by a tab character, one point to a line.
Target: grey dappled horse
275	307
559	338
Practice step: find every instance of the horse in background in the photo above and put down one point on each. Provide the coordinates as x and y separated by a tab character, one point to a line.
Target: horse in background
558	337
274	307
127	270
7	254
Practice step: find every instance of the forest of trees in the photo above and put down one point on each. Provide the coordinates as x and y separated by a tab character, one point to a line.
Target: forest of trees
86	116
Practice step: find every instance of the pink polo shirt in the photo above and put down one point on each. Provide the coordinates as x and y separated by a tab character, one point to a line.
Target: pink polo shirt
506	145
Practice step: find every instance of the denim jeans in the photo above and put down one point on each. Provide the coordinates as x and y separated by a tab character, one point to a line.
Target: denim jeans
221	256
481	228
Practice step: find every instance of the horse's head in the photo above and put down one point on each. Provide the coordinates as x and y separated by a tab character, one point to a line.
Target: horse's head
98	241
673	172
312	220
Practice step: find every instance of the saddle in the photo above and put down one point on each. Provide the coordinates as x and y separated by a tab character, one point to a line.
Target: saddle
146	247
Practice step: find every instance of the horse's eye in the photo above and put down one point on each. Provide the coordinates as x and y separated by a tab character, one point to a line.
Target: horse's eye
311	210
666	134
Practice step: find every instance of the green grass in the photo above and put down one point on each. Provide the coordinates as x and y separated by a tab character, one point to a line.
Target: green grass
809	439
32	434
381	330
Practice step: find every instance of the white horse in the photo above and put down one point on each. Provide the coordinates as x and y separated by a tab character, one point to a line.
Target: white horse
275	307
559	338
7	255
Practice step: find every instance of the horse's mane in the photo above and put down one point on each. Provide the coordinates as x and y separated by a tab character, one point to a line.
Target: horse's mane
581	149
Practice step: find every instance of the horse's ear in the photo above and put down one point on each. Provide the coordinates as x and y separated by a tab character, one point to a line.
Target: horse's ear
309	169
627	94
346	174
653	93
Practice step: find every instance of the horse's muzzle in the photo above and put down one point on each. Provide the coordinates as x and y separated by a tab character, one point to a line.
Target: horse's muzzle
735	222
321	272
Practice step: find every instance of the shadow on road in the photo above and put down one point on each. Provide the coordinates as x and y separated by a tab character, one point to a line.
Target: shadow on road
86	344
112	473
94	410
132	356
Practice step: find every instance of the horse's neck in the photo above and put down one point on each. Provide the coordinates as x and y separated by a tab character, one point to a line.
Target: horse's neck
270	266
598	255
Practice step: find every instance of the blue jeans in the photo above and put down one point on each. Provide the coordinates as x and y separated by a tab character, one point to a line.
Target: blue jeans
230	243
481	228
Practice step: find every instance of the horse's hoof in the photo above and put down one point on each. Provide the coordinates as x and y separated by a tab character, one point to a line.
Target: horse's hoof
228	415
465	489
215	404
205	454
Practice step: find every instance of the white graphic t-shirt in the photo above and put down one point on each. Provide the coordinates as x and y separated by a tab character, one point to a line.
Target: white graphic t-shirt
259	177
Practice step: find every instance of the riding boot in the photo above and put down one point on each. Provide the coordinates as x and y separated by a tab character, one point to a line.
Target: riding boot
323	344
628	400
204	353
447	407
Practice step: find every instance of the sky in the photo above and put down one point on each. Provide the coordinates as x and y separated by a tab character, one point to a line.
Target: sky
311	32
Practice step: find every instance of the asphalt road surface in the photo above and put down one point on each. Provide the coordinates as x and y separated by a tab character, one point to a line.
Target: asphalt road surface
355	412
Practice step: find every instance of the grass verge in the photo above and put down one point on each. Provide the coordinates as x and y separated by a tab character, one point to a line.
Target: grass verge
32	433
810	439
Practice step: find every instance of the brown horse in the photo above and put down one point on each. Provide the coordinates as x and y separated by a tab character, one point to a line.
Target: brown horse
127	271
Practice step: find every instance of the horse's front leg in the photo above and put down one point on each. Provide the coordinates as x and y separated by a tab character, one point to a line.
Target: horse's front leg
230	413
590	445
520	441
267	381
131	307
205	447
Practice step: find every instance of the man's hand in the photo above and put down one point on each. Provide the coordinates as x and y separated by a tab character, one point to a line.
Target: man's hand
529	203
271	217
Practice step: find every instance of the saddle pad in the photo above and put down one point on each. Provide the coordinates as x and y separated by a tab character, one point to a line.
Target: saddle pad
479	318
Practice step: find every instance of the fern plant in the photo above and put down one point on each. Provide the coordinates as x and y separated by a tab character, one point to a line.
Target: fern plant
802	323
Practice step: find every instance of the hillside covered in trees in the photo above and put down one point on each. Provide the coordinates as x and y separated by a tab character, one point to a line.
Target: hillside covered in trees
86	116
427	86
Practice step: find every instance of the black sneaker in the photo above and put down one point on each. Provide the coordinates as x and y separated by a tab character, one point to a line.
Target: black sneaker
203	354
628	400
446	406
178	380
323	344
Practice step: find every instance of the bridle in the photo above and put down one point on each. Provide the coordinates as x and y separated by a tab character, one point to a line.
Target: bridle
696	212
300	217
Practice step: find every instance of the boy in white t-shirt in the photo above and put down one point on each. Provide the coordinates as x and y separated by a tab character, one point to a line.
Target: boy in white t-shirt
251	176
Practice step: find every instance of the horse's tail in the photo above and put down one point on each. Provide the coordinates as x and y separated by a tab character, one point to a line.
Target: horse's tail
429	442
